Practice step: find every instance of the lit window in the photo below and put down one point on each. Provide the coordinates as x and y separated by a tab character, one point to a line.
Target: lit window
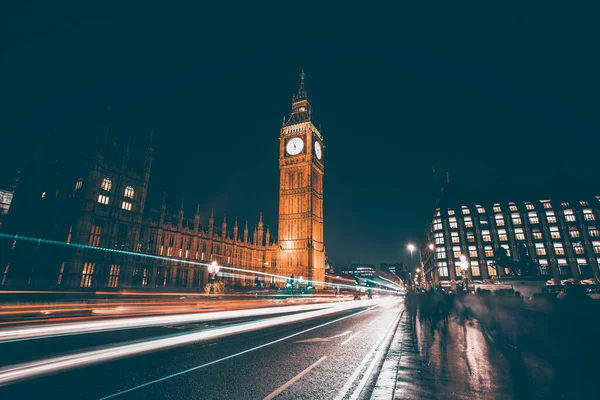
489	252
437	224
70	234
102	199
502	235
79	184
499	220
544	270
465	210
578	248
43	195
559	249
87	274
486	236
129	192
470	237
480	209
455	238
468	222
565	204
438	237
472	251
453	223
5	274
437	212
113	278
491	268
483	222
450	211
456	251
126	206
551	217
554	233
497	208
584	203
569	216
563	266
106	184
519	234
533	218
596	246
516	218
588	215
95	235
529	206
440	252
512	206
574	232
537	234
442	268
547	204
593	231
60	273
475	268
540	249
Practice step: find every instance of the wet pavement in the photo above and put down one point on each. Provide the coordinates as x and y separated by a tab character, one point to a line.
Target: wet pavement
497	350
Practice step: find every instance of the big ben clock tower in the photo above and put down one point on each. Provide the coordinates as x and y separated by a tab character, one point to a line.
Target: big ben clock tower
301	194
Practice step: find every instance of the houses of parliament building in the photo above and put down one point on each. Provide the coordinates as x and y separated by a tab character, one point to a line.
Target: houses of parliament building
88	227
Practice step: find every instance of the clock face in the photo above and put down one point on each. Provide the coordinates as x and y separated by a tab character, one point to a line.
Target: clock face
318	150
294	146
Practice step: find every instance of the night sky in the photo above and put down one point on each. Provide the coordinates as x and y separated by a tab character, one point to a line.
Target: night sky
482	90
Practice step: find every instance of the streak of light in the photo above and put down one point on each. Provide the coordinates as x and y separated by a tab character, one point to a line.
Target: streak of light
142	322
37	368
278	278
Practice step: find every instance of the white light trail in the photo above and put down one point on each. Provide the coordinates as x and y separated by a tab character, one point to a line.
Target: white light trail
33	369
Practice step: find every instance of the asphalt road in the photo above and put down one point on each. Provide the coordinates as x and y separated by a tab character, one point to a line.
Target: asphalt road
327	357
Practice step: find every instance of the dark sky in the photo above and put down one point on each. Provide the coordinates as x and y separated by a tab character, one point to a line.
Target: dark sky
482	90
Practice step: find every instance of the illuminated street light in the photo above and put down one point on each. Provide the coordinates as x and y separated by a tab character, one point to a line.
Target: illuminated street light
301	280
213	269
431	246
418	270
411	247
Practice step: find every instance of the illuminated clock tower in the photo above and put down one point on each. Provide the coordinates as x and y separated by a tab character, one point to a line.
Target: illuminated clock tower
301	194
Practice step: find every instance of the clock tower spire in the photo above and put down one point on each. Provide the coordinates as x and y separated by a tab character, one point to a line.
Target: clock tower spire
301	193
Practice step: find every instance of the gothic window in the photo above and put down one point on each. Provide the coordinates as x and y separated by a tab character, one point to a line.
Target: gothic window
129	192
87	274
106	184
79	184
70	234
60	273
95	235
113	278
102	199
126	206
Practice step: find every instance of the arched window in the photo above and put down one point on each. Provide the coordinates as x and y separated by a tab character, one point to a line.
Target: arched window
129	192
106	184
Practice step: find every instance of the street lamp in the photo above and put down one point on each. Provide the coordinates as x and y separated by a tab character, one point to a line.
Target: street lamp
411	247
213	269
464	267
431	246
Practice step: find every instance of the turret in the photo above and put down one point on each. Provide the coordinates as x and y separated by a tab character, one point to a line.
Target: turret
235	231
211	222
181	213
197	218
246	233
260	231
224	227
163	208
255	236
268	237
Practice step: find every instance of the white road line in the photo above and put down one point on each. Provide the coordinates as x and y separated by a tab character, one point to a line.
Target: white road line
375	361
372	322
294	379
350	338
342	393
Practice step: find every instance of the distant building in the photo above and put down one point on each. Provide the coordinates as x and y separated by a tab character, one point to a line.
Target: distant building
400	269
359	270
555	231
5	200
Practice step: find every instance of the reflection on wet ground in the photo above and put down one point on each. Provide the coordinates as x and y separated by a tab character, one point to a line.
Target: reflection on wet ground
495	349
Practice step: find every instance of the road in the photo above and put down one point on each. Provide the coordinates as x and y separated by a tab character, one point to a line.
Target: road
328	356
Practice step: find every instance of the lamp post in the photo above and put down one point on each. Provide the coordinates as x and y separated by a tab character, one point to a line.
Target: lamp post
464	268
411	247
213	270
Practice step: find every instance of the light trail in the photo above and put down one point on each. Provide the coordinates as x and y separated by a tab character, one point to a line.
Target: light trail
77	328
56	364
278	278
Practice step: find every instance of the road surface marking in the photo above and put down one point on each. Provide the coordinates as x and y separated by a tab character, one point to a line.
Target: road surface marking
350	338
231	356
319	339
372	322
375	361
294	379
342	394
